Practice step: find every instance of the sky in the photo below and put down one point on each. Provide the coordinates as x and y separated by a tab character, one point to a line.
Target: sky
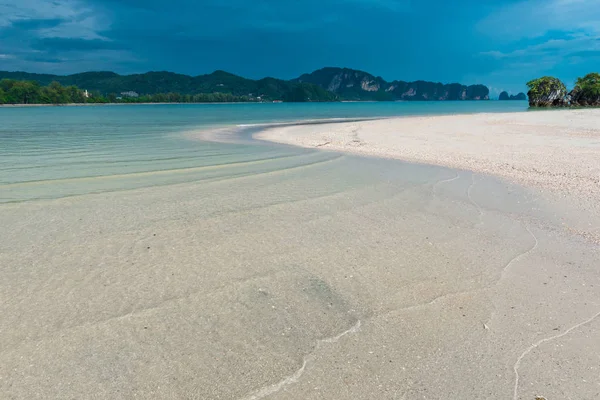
499	43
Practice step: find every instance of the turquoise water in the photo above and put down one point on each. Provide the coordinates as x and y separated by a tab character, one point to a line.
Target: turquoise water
52	152
248	269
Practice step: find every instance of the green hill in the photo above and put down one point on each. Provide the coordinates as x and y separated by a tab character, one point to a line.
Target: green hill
327	84
152	83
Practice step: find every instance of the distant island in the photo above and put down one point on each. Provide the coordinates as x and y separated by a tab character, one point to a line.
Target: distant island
552	92
324	85
351	84
505	96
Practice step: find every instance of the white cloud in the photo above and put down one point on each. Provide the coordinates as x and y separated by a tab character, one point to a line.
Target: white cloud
534	18
51	36
86	27
578	52
76	18
15	10
553	48
540	37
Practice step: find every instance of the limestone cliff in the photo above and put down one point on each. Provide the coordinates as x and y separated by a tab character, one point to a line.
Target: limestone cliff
547	92
505	96
350	84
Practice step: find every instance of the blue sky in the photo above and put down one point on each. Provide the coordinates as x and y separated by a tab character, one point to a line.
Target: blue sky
500	43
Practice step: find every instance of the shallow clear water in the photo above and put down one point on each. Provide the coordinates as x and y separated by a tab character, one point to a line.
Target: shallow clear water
50	152
243	271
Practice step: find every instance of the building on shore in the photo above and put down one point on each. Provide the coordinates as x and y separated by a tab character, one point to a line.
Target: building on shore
130	94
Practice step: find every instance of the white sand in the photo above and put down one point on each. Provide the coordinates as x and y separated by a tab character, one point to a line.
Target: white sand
558	150
313	276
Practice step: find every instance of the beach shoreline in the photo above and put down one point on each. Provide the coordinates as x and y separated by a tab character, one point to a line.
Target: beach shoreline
557	150
257	270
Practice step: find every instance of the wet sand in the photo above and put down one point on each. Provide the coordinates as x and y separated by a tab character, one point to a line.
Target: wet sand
314	276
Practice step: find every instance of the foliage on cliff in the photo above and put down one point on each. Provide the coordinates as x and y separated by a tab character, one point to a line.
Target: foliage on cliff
551	92
546	92
587	91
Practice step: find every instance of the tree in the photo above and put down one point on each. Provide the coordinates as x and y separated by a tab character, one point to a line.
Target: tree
6	85
174	98
546	92
75	95
96	97
24	92
2	96
55	93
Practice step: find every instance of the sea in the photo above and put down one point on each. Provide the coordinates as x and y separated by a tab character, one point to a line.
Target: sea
142	258
54	152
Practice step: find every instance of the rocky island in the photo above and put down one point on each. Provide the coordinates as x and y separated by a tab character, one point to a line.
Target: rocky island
350	84
505	96
551	92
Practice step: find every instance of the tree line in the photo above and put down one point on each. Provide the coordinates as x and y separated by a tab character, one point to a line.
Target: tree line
31	92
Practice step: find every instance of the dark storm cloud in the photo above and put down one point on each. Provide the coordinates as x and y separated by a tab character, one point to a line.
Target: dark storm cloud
468	41
35	24
58	45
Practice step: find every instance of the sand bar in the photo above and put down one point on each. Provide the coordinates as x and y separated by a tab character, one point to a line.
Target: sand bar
558	150
308	275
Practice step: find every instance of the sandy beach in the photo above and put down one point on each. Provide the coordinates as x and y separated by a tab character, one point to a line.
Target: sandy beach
557	150
311	274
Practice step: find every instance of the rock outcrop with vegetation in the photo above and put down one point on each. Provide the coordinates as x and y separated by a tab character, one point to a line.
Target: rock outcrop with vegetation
551	92
586	91
350	84
547	92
